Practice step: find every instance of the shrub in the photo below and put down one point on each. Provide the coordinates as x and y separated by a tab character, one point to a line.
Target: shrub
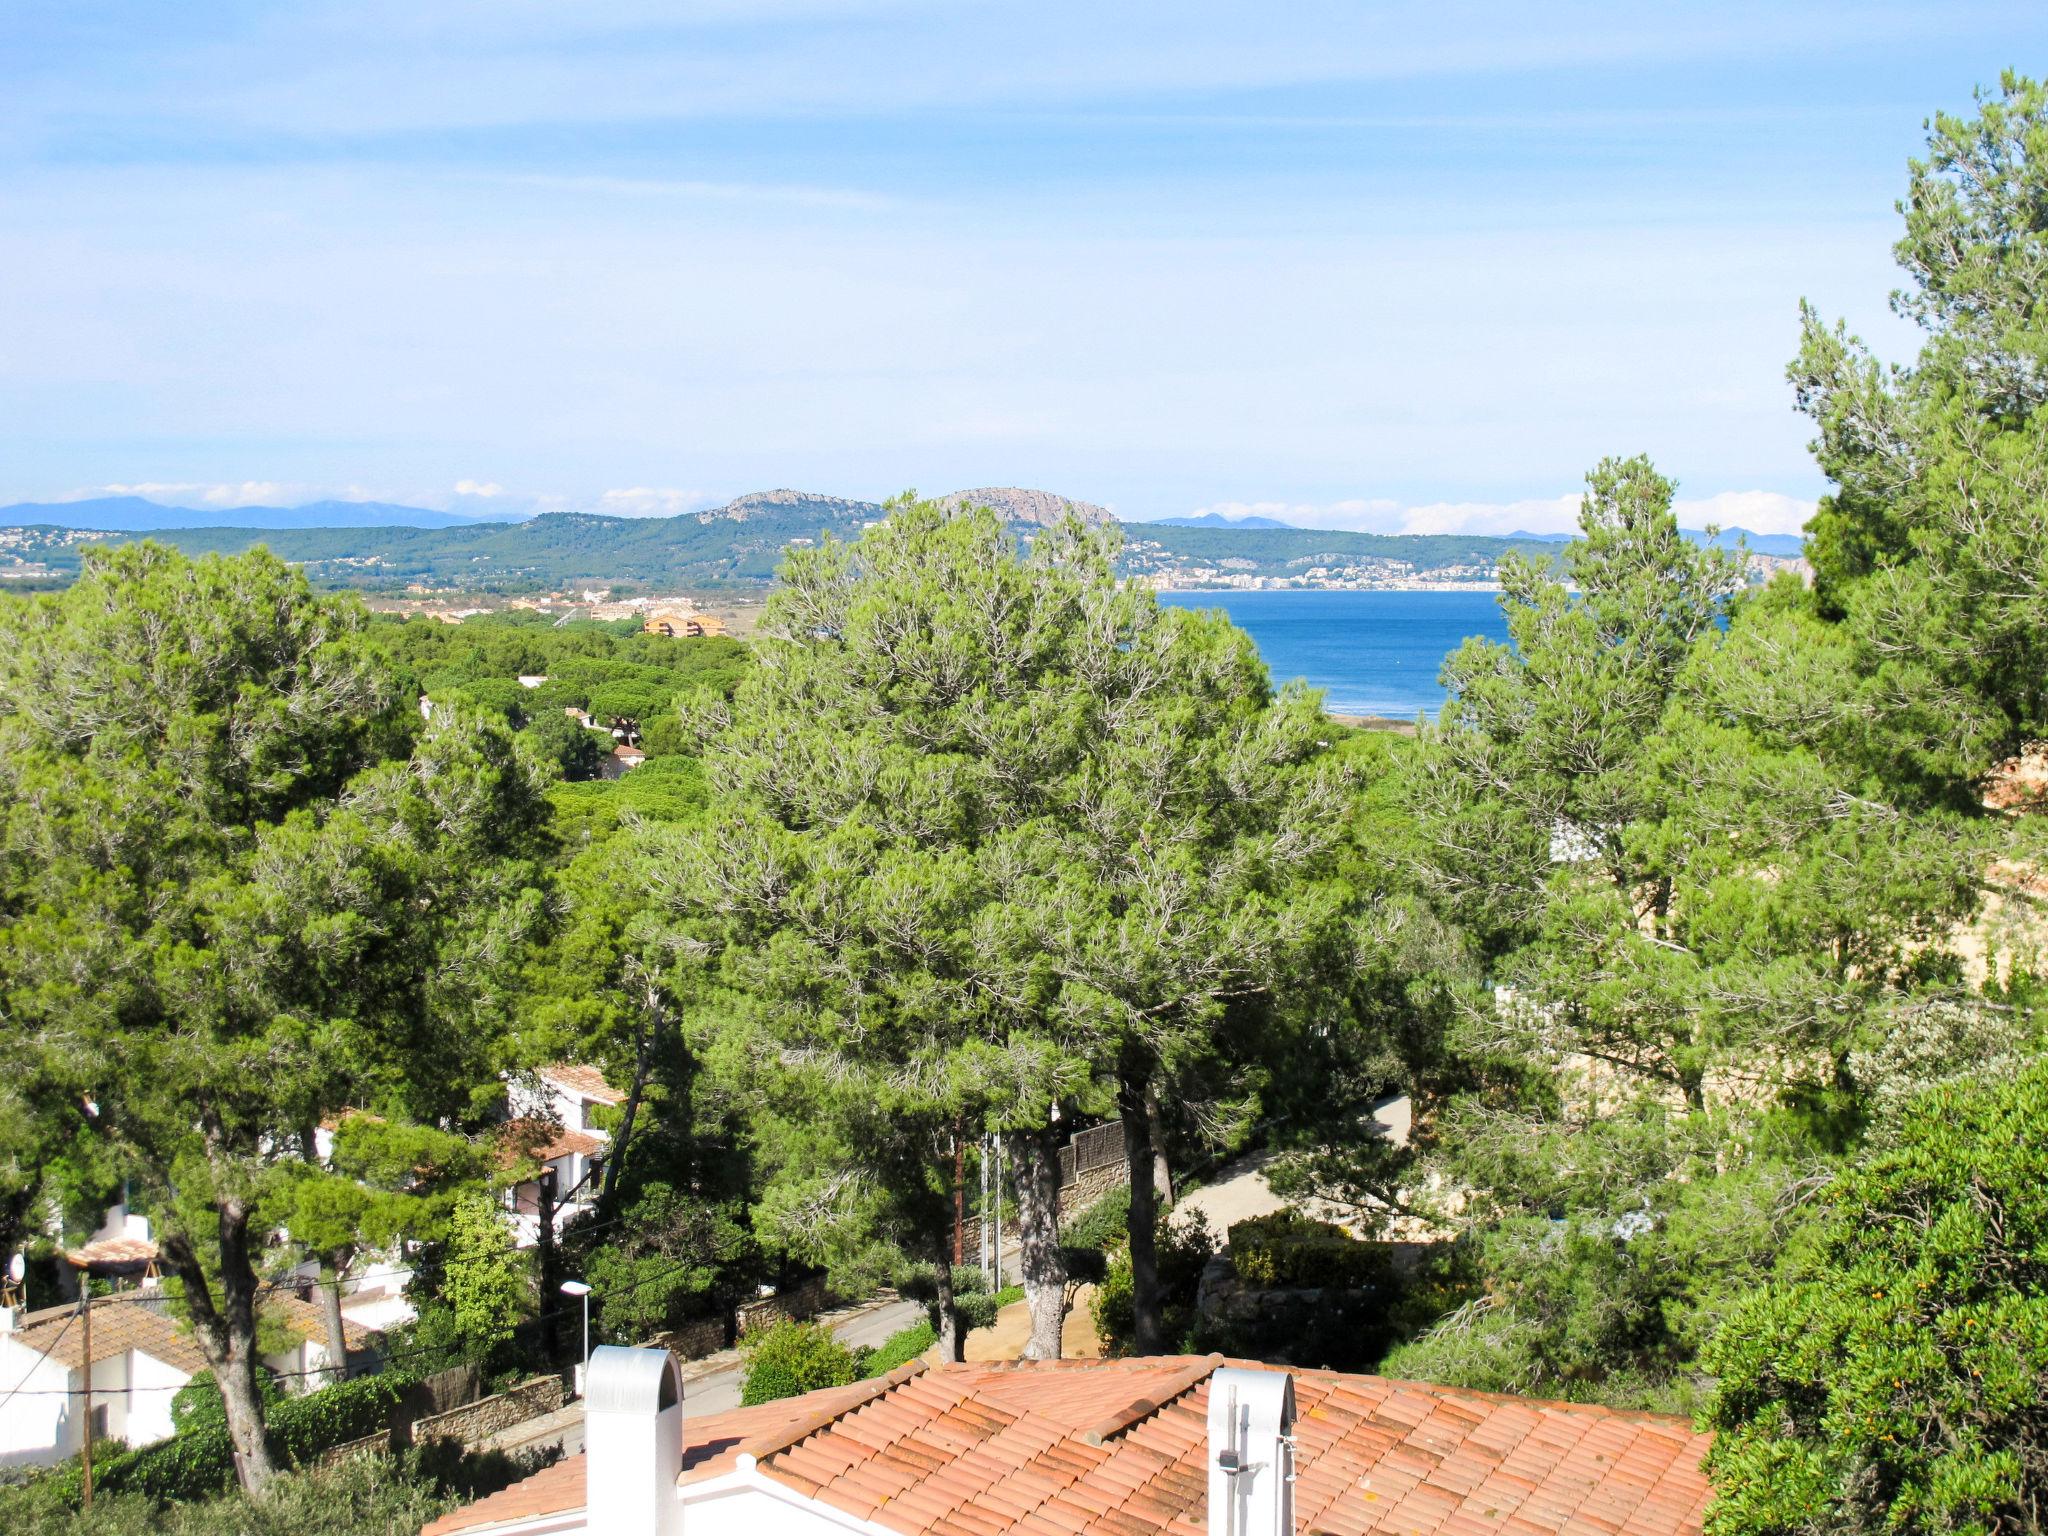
1891	1375
199	1460
303	1427
790	1359
197	1404
1289	1251
1184	1250
364	1494
1104	1225
900	1349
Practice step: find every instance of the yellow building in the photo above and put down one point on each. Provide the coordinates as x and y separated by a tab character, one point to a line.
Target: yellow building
682	624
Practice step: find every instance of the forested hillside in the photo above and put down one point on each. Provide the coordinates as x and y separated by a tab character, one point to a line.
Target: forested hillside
736	547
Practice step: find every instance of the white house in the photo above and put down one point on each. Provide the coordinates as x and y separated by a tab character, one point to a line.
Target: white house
560	1131
1168	1446
141	1355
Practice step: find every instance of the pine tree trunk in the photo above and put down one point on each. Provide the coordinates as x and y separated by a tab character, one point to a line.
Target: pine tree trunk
1162	1170
331	1269
225	1330
1037	1160
1132	1078
950	1342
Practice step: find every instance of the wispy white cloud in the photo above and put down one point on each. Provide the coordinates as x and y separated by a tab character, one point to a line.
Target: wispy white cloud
1758	511
797	196
480	488
650	501
245	493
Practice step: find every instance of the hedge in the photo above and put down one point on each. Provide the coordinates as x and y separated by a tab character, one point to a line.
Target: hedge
1104	1225
899	1349
1289	1251
199	1461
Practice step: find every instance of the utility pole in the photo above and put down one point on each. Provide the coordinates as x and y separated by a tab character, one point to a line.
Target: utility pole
959	1191
85	1307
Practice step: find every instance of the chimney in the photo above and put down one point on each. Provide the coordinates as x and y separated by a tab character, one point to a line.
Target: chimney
1251	1453
633	1437
10	1319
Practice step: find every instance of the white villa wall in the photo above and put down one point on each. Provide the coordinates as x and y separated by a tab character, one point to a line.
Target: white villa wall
151	1386
39	1425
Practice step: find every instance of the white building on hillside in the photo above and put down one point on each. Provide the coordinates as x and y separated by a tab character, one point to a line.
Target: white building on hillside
141	1356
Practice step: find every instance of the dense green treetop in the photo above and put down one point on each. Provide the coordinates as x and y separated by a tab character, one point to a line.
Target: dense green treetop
1933	548
244	886
1891	1377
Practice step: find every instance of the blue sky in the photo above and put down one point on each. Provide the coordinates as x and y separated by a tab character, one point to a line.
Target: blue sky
1363	265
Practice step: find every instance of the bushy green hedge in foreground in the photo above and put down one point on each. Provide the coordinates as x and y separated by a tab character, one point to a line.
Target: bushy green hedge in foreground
198	1462
380	1495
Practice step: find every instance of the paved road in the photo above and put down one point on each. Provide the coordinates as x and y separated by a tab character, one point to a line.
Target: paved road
715	1385
719	1390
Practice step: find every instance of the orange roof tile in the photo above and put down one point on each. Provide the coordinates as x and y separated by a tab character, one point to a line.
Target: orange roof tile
586	1082
112	1252
543	1142
1117	1447
142	1321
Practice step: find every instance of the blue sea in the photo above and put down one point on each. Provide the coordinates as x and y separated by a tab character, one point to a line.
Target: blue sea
1372	653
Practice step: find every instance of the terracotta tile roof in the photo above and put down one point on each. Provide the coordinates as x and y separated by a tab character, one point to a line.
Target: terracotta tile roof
543	1142
142	1322
586	1082
1118	1447
710	1445
114	1252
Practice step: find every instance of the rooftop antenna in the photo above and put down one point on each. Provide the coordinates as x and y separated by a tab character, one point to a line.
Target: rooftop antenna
17	1272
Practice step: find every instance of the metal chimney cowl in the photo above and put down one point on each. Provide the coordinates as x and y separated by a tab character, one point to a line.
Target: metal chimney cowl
1251	1453
633	1439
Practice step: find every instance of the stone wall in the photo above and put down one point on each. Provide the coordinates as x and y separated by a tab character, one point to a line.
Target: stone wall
1091	1186
693	1341
793	1305
369	1445
1075	1197
486	1416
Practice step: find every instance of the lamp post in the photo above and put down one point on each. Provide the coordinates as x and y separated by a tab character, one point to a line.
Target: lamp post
578	1288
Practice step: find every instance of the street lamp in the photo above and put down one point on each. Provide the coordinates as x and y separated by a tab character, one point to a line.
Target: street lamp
578	1288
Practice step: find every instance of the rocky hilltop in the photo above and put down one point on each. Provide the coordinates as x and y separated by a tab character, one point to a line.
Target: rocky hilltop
775	503
1016	503
1040	508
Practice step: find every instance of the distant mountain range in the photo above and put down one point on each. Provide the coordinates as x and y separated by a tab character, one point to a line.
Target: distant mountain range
136	514
1784	545
388	548
1217	520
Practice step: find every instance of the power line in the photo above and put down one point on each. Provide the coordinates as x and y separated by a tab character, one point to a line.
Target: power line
40	1391
136	1297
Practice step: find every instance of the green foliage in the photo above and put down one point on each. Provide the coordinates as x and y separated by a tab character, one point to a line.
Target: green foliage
1104	1225
575	751
993	833
1288	1249
899	1348
302	1427
197	1405
486	1282
371	1495
199	1460
1891	1377
244	887
1937	511
1185	1246
661	1259
790	1359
